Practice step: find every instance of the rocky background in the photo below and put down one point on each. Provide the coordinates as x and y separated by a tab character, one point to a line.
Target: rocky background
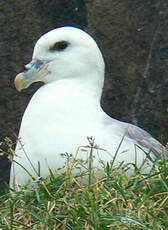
133	37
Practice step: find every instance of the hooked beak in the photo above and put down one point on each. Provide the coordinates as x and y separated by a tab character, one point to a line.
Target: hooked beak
36	70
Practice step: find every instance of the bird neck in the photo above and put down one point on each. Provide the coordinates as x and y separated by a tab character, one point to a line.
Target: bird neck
82	96
83	88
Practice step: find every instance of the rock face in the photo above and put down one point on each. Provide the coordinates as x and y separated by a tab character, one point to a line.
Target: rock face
132	36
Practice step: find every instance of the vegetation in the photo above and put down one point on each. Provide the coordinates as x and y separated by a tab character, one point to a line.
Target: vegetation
85	201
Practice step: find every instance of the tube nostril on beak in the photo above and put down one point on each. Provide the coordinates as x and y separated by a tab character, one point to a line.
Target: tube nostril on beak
27	66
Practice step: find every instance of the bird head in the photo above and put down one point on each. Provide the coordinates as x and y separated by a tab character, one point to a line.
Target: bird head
65	52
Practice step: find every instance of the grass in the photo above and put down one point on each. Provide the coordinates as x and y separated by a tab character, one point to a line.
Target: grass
114	201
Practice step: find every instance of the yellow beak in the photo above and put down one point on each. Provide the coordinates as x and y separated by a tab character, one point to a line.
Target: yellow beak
36	71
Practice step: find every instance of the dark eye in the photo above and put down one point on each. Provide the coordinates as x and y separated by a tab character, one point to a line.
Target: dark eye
59	46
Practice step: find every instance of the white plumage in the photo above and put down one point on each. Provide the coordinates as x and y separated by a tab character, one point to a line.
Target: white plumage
66	109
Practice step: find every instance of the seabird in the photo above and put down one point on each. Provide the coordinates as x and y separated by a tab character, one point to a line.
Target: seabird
66	110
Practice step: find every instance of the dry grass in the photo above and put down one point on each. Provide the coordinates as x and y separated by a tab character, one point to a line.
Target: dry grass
115	201
85	201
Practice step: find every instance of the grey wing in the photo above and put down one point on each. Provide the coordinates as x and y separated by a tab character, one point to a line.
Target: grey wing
144	139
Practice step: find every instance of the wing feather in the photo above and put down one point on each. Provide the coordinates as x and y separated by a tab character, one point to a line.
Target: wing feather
139	137
144	139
